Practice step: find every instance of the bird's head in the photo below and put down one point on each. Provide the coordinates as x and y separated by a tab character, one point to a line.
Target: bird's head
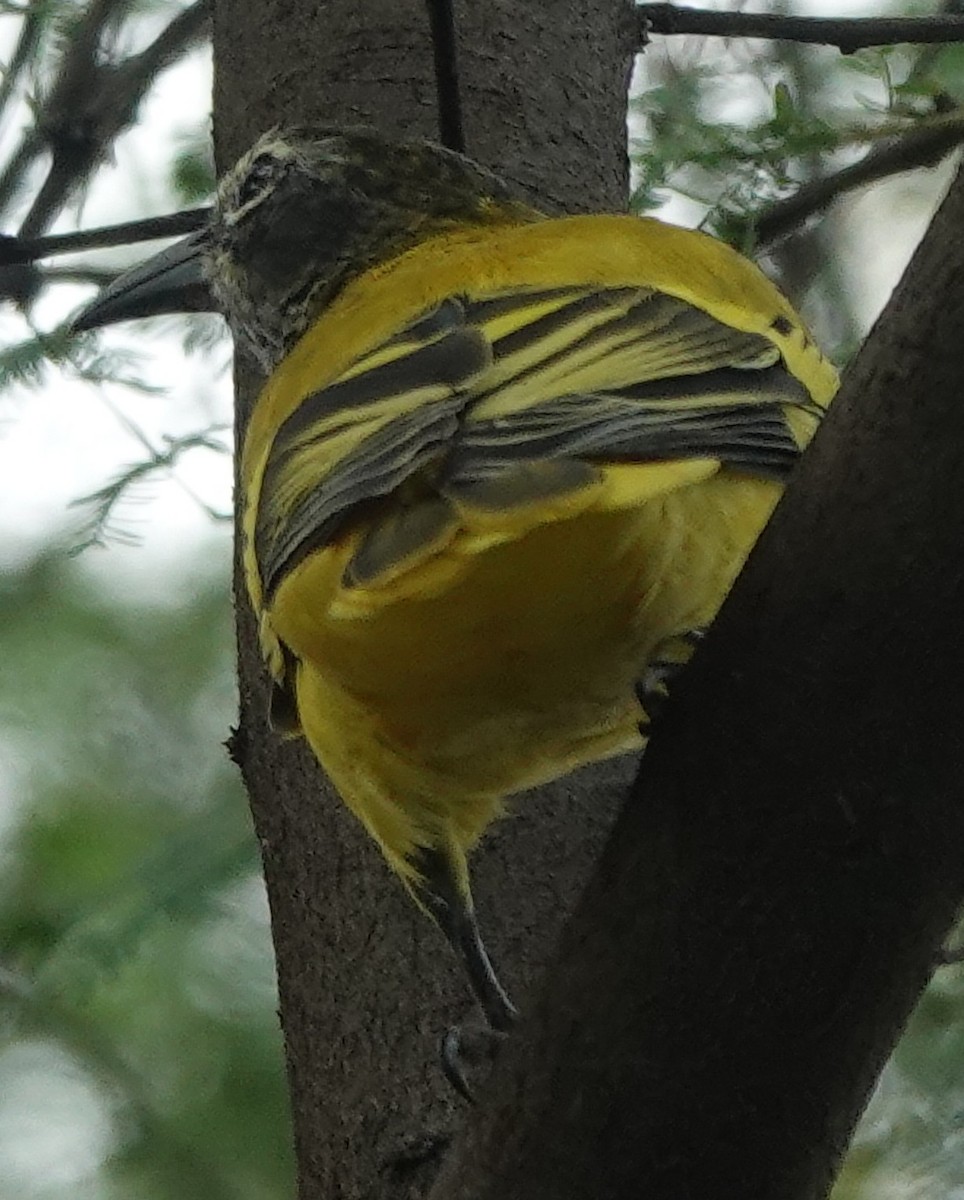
299	215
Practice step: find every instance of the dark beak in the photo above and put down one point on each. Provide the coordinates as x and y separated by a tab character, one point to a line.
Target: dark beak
169	282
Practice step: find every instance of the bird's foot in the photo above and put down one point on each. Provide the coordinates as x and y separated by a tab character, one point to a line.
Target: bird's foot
473	1048
670	657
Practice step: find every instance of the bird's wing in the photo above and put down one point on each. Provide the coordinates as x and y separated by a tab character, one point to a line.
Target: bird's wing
622	375
513	400
378	430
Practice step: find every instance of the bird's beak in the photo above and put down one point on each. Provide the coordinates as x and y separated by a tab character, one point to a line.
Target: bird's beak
169	282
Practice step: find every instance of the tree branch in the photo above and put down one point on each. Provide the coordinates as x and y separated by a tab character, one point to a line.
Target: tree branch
16	250
99	276
923	147
89	105
773	898
18	164
848	34
76	69
92	104
27	42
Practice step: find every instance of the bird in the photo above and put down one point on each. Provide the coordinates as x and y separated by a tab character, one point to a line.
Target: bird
502	473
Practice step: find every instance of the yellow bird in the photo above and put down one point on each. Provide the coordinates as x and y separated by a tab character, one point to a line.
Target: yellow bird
504	466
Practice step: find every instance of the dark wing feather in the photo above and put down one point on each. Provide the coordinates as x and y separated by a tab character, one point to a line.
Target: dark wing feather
508	399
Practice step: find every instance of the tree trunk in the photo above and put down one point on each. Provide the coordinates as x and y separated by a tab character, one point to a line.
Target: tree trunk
366	988
763	922
772	901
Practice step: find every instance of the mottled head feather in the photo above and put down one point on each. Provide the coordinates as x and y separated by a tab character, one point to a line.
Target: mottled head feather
306	210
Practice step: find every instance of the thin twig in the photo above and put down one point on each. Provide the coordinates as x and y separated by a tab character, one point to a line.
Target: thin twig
99	276
27	42
923	147
18	164
77	77
188	27
848	34
16	250
445	53
92	103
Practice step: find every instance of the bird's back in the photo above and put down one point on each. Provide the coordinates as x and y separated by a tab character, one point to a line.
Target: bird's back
491	480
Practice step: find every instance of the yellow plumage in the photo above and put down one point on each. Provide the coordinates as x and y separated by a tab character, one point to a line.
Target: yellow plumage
505	652
501	463
497	646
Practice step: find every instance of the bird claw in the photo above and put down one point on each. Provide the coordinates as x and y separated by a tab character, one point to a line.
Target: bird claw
472	1048
652	689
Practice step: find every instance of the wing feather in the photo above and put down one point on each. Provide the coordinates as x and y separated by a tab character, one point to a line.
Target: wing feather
476	399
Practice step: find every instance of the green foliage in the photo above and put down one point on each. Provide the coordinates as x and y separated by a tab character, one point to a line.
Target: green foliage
134	931
947	72
192	173
136	979
783	130
743	164
101	505
30	362
911	1142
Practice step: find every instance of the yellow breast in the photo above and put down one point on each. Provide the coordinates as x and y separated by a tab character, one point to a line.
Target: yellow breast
504	668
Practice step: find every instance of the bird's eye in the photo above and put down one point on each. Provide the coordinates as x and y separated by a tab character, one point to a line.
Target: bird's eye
257	180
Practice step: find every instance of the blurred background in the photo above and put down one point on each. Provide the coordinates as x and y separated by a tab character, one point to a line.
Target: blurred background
139	1050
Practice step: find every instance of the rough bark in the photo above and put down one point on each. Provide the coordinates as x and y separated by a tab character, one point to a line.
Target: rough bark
772	901
366	986
767	914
